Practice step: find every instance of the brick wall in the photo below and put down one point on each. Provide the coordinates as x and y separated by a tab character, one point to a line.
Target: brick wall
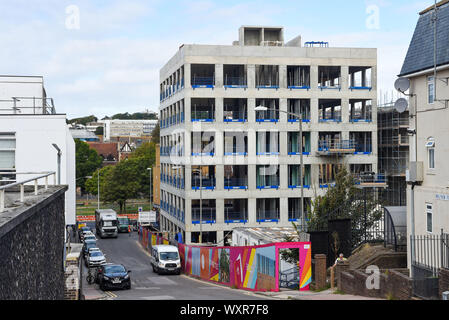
72	275
443	281
320	272
393	284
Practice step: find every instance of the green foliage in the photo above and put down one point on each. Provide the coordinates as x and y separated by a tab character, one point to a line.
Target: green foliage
87	161
135	116
129	179
155	134
83	120
99	131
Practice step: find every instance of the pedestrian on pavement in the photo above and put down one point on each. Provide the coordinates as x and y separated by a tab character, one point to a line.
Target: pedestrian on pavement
129	229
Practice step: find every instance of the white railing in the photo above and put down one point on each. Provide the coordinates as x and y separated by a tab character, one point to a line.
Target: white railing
21	184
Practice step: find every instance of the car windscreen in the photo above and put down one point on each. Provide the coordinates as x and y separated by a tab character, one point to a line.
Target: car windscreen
91	245
114	269
168	256
96	254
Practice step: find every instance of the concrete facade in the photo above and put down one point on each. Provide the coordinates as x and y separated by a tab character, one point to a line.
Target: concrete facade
181	89
127	128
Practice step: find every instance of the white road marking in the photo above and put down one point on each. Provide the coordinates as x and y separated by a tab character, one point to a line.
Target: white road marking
159	298
147	288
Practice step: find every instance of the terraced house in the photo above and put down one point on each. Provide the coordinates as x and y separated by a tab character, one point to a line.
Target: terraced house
230	130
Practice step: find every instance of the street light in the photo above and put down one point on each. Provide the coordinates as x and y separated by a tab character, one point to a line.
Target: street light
301	168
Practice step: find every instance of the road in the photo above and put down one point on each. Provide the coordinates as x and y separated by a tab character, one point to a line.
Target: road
147	285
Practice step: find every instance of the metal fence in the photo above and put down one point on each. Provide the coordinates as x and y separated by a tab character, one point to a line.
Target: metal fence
430	252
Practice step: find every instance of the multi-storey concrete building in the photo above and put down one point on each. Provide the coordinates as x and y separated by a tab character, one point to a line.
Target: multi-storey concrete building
127	128
249	160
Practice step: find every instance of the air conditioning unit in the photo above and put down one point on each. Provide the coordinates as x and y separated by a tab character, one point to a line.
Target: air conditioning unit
415	172
446	295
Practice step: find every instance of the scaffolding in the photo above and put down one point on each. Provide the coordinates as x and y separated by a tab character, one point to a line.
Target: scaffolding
393	150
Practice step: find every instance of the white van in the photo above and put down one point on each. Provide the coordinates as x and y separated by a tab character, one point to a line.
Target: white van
165	259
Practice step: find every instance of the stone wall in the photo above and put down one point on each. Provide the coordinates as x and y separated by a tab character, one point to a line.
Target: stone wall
32	249
443	281
73	271
393	284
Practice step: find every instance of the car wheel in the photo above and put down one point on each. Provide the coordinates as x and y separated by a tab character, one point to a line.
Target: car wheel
129	285
154	270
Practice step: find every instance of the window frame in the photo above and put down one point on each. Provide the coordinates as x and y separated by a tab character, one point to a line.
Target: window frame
429	213
430	82
12	137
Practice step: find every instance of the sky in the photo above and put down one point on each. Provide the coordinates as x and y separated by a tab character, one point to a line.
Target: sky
103	57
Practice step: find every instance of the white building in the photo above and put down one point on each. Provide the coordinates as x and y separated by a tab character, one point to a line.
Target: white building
29	126
249	160
428	174
127	128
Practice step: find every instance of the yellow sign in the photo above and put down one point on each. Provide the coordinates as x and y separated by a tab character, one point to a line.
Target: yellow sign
81	225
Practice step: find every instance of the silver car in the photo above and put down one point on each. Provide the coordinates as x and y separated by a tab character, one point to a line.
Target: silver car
95	258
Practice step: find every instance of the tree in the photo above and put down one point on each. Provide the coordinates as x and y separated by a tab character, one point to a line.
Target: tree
155	134
87	161
99	131
84	120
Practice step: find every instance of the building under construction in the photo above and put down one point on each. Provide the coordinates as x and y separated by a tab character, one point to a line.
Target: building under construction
393	151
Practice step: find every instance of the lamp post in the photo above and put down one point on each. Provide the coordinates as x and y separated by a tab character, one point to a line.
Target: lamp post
59	162
301	167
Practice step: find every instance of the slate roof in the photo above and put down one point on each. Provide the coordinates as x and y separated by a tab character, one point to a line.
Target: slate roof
420	52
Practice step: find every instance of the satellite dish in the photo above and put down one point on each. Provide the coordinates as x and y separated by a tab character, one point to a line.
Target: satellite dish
402	84
401	105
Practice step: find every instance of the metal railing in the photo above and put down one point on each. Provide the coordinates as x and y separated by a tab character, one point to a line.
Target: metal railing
329	145
21	185
27	105
431	252
235	81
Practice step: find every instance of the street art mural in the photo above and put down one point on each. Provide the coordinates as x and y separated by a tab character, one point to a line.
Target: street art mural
250	268
254	268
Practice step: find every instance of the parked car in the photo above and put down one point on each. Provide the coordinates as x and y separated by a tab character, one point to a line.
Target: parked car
165	259
112	276
95	258
82	232
88	244
89	236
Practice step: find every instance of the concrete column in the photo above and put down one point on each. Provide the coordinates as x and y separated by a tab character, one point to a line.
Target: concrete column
283	175
219	103
315	176
344	77
314	111
251	111
220	211
219	176
188	178
283	141
314	77
283	76
252	144
283	107
252	209
219	143
283	204
251	76
374	78
187	110
345	114
314	137
188	237
187	76
252	177
219	76
220	238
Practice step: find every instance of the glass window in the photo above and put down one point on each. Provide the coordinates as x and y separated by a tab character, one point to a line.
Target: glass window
431	89
431	152
429	212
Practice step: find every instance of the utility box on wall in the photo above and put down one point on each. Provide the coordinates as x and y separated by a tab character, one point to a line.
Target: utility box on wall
415	172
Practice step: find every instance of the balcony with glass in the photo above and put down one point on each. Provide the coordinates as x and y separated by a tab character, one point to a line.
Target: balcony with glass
206	213
293	144
329	110
298	77
360	110
329	77
360	78
294	181
235	177
235	76
268	210
203	110
298	107
203	178
202	75
267	177
235	110
235	143
294	209
236	211
267	143
203	144
267	77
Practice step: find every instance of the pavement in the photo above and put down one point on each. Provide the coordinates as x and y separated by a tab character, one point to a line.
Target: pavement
311	295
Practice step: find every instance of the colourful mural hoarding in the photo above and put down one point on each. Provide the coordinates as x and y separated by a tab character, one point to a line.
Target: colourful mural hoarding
254	268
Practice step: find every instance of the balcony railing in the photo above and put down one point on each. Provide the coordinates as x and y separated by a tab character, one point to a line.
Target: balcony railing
206	184
203	82
271	183
235	82
208	215
235	183
232	216
235	116
267	116
268	150
268	216
337	146
203	116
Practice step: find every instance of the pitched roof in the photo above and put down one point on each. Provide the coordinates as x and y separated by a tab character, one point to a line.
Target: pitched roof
105	149
420	55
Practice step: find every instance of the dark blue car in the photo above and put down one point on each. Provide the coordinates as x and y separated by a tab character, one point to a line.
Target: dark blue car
113	276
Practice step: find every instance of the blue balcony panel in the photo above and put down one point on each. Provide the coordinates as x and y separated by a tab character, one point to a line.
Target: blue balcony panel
267	220
236	221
